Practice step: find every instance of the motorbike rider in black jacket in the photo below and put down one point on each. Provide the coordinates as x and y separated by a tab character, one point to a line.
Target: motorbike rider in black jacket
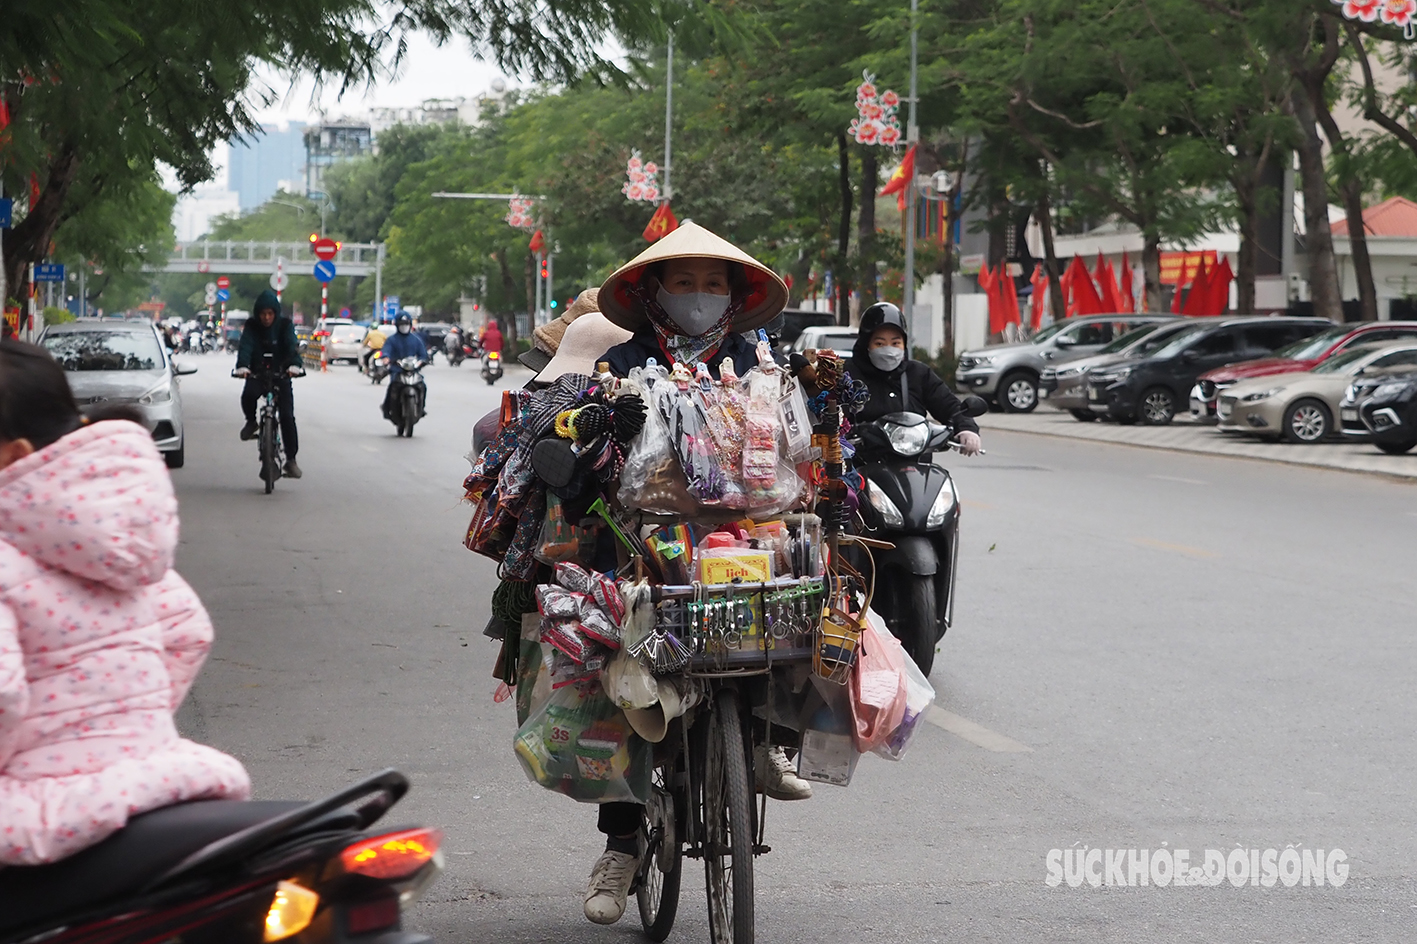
881	361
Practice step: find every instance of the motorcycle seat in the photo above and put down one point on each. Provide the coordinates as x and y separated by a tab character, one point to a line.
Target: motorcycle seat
125	862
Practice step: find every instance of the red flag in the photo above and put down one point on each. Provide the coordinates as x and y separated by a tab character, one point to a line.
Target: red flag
902	176
989	282
1039	297
1008	295
1085	298
538	242
1107	286
1129	295
661	224
1220	278
1198	298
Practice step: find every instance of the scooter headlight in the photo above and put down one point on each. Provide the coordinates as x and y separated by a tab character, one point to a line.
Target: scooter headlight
890	514
944	502
908	440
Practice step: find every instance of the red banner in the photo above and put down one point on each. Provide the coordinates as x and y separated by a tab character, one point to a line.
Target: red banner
1179	268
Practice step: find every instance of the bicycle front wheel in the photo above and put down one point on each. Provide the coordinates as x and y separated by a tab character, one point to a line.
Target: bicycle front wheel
270	460
728	826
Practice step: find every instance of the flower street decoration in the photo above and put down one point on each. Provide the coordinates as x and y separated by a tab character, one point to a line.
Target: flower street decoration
642	183
519	213
1391	12
875	121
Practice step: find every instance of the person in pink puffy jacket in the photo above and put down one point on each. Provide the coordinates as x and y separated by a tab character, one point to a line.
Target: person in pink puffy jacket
99	637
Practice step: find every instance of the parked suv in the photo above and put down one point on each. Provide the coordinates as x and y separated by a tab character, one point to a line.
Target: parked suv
1065	386
1349	418
1007	374
1301	355
1390	414
1152	387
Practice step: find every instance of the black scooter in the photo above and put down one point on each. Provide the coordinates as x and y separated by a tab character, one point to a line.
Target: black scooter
234	872
912	502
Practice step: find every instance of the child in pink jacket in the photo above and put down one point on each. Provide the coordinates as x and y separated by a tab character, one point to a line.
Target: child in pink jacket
99	637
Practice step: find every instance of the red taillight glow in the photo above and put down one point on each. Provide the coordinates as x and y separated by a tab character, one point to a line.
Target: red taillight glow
373	916
392	856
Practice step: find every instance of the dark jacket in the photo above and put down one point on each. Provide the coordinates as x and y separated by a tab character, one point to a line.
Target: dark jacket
927	393
398	346
637	351
279	339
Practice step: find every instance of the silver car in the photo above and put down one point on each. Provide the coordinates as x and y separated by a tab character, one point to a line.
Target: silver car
1007	374
112	361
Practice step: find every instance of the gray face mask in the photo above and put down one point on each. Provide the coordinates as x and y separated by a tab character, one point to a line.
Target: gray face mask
405	329
886	358
695	312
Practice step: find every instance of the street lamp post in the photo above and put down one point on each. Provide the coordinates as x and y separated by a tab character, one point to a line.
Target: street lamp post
912	137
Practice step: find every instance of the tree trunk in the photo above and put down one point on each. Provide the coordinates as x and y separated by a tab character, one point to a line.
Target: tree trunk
29	241
509	286
1351	190
1044	215
1249	241
843	281
1151	271
866	227
1318	238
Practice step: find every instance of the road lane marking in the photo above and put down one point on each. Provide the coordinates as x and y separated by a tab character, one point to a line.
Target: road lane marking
1199	553
975	733
1177	478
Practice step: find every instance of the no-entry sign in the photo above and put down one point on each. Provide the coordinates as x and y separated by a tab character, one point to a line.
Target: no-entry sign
325	249
223	282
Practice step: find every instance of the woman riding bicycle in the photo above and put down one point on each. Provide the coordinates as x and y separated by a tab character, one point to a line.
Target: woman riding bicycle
688	299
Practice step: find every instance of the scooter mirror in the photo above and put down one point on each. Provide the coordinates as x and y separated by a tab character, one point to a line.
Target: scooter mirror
975	406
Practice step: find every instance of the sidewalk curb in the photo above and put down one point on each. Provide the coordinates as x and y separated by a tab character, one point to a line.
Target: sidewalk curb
1396	468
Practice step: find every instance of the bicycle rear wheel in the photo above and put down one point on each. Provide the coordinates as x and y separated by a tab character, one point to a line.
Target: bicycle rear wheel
661	861
728	826
270	461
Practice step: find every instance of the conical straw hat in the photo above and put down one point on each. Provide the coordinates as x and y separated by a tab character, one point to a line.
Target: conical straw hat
767	295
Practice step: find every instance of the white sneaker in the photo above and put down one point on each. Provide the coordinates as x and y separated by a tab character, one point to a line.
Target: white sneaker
777	776
610	886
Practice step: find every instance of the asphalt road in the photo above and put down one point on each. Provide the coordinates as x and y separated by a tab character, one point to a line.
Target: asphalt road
1152	651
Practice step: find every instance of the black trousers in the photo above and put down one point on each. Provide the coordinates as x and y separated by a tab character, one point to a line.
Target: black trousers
285	409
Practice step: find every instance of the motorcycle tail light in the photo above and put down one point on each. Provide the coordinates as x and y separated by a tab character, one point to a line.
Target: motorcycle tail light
292	909
393	855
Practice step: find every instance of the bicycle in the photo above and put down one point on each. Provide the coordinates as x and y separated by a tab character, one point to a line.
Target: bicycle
268	425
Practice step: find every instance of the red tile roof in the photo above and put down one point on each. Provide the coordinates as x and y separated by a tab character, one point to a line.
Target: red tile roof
1392	217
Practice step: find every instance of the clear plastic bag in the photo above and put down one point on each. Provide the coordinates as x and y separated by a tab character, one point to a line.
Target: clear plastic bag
559	540
652	479
919	696
796	418
877	685
578	743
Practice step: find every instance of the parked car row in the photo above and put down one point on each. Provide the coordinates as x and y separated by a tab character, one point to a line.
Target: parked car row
1303	380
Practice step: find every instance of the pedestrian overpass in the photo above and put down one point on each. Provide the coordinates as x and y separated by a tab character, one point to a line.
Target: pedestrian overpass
254	257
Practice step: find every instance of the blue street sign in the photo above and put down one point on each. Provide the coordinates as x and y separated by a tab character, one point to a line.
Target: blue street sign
49	272
223	295
324	270
391	306
7	206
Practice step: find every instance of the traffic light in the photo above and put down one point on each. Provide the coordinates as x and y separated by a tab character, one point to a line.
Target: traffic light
314	237
543	268
553	303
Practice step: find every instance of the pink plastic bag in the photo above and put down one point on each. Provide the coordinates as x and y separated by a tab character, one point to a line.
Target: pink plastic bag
878	685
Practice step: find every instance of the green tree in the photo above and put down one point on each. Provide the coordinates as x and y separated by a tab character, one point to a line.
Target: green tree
114	233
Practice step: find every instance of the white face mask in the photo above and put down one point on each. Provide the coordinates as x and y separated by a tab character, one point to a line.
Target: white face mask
886	358
405	329
695	312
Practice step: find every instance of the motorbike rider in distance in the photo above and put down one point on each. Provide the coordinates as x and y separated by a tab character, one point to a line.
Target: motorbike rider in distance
403	343
373	343
898	384
268	332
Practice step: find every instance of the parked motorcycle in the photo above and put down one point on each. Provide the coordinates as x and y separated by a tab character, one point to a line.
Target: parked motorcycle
243	872
408	396
491	367
912	502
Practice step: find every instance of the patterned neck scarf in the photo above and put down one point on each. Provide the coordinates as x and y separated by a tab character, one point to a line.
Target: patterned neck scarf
684	348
